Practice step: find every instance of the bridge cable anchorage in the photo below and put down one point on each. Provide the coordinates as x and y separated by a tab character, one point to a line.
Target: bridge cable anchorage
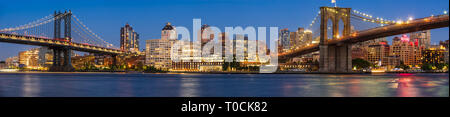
91	32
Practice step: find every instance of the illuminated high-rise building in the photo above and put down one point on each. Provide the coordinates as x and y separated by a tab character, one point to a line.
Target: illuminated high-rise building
129	39
361	50
307	37
284	37
377	53
434	55
169	32
29	58
407	50
158	50
445	44
300	38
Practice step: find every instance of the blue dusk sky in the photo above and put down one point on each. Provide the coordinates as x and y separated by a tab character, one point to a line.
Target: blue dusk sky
148	17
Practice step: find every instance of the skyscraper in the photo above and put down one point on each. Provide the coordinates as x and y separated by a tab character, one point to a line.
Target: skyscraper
129	39
158	50
285	39
169	32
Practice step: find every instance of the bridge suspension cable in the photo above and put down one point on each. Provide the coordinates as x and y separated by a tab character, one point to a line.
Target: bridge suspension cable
39	28
32	24
311	29
369	18
44	28
90	32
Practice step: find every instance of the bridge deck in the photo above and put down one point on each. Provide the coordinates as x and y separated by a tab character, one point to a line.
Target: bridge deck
42	41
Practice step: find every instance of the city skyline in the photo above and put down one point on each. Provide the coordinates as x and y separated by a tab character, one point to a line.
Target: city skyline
107	23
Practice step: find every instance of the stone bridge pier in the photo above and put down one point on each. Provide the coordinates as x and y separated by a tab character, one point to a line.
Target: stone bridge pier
335	58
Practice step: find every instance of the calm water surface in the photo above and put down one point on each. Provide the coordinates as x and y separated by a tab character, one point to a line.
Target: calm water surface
222	85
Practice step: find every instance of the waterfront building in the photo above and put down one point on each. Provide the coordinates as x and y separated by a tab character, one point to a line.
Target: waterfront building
408	51
36	58
46	57
158	53
197	66
361	50
393	61
158	50
358	52
102	60
445	44
3	65
377	53
84	62
190	63
12	62
434	55
423	38
129	39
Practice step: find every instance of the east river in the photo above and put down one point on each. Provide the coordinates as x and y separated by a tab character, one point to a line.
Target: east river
222	85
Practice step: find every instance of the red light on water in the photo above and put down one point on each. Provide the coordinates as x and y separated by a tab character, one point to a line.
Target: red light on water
405	74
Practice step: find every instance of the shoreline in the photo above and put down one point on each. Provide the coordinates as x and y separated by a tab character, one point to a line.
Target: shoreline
124	72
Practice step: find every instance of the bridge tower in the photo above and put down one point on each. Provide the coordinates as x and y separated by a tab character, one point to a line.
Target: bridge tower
62	55
335	58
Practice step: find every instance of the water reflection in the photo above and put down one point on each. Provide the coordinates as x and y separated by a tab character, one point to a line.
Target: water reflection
224	85
125	88
30	86
189	87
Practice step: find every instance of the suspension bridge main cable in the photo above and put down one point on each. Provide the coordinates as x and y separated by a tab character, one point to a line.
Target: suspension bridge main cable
92	33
